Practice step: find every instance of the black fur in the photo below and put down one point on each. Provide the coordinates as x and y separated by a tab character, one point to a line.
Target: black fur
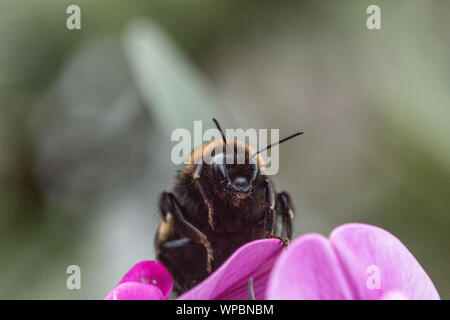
234	222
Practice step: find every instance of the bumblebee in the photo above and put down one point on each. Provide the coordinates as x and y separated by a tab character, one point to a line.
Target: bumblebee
216	208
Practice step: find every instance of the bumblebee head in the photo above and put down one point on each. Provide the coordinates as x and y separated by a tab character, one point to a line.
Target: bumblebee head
237	179
235	169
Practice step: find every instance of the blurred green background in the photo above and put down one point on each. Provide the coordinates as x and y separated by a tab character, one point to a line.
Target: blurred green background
86	117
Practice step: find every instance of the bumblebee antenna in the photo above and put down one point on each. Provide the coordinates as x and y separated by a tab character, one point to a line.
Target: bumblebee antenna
220	129
278	142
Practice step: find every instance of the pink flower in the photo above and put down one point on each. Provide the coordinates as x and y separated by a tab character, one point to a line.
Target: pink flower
358	261
150	280
230	282
147	280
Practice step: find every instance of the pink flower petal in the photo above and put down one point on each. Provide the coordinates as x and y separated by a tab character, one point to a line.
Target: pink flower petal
230	281
308	269
135	291
147	280
347	267
364	250
394	295
150	272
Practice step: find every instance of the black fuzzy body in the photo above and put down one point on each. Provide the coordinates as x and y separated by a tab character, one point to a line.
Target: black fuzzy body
233	224
233	227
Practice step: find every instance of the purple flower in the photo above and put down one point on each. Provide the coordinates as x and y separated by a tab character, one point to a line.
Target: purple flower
147	280
150	280
358	261
230	282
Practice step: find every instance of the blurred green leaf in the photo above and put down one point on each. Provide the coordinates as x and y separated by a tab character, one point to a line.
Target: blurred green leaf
175	92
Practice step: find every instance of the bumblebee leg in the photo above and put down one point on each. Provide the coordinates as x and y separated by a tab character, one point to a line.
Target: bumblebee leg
269	221
285	209
178	256
171	209
197	175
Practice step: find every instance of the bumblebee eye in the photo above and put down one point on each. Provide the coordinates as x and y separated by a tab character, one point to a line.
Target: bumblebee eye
218	164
